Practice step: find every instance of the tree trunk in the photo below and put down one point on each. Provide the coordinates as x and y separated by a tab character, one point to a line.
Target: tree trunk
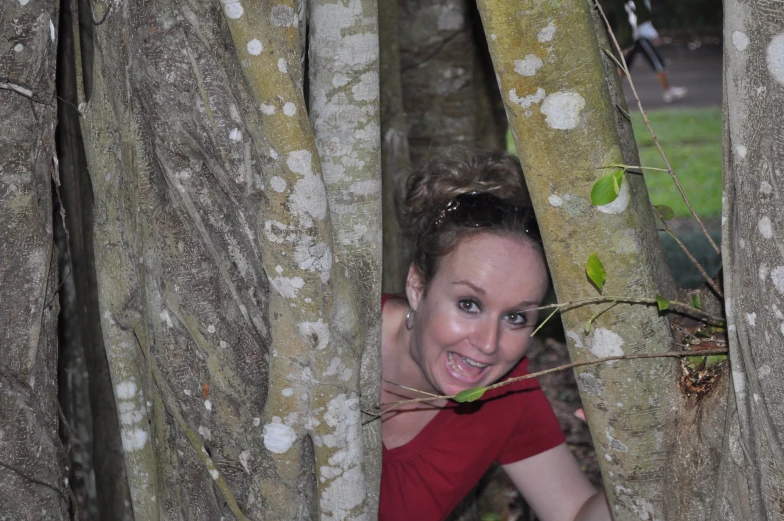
561	107
238	293
32	459
751	481
98	467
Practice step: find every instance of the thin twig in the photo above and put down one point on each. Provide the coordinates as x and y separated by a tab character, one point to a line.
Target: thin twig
668	354
36	481
710	281
7	84
625	69
678	307
408	388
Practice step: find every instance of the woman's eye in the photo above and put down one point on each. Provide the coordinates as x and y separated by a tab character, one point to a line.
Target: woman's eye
468	306
517	319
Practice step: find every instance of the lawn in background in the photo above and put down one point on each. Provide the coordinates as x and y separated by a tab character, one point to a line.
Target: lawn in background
691	139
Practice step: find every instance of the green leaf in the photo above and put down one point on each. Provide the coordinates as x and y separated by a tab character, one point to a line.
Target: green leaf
588	325
470	395
695	362
595	271
607	188
696	301
665	211
714	360
662	302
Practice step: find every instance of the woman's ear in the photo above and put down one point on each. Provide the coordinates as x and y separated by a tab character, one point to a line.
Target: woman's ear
415	286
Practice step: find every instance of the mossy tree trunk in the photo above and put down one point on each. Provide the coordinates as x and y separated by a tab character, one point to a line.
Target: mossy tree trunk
238	279
664	455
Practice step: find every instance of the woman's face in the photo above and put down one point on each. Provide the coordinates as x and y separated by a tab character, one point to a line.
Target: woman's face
470	328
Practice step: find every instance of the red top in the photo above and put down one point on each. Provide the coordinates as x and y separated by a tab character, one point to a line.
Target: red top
425	479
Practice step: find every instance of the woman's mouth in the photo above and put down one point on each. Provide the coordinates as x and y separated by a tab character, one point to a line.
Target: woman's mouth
465	369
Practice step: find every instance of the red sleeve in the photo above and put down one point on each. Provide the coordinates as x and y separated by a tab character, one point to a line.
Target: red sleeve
536	427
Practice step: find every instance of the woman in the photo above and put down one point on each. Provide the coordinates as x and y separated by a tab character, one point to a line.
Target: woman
465	322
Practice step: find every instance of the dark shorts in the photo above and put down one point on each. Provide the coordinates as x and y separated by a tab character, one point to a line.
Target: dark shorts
646	47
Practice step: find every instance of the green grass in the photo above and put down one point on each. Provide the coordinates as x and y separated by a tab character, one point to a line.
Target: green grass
691	139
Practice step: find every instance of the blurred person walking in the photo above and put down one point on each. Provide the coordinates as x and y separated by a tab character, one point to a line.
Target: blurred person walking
646	38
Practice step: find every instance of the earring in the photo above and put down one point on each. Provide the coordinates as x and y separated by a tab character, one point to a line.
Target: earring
409	315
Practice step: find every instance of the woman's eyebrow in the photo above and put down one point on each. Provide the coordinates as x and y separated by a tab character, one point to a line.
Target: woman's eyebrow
470	285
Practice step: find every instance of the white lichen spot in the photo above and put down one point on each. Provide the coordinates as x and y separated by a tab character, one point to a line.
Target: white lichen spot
528	65
607	456
606	343
739	382
208	405
764	371
245	460
493	37
762	272
563	110
765	227
289	109
267	110
742	151
214	474
317	332
619	404
287	392
223	344
309	195
235	135
279	269
166	318
766	188
777	276
51	31
233	9
256	422
255	47
546	34
288	287
527	101
555	200
283	16
125	390
761	90
740	40
24	2
751	318
283	65
278	184
775	58
133	439
18	47
205	432
578	343
210	329
620	203
278	437
187	392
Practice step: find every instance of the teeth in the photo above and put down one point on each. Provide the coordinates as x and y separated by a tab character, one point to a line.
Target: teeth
471	362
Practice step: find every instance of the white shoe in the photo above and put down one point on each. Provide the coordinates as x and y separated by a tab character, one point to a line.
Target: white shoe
674	93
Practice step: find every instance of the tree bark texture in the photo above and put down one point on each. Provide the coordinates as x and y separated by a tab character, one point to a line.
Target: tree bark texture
97	470
561	115
238	293
32	459
751	482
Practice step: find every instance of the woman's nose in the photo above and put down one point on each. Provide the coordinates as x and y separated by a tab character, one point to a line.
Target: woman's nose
485	337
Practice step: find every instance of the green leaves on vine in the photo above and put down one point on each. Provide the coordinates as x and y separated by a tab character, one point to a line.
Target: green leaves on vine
665	212
607	188
470	395
595	271
696	301
662	303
